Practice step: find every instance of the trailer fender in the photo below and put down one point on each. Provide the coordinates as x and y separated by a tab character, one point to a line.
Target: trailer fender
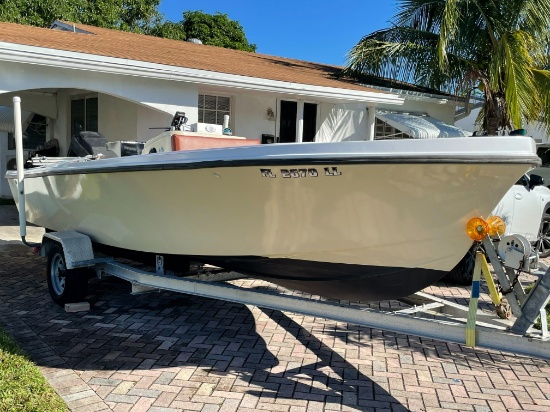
77	248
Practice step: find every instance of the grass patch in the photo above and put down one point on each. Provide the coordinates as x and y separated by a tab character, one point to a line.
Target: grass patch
5	201
22	386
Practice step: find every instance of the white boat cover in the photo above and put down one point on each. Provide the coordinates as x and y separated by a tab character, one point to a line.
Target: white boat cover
421	127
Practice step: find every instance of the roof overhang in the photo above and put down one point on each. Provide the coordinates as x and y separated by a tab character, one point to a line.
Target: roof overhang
420	126
418	96
62	59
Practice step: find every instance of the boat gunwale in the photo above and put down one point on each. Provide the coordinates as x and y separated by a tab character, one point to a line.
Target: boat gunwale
58	169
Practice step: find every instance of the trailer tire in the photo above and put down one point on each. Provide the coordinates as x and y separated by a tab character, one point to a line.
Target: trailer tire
543	242
65	286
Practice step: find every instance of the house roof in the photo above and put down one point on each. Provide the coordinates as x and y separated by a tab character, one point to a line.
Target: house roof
138	47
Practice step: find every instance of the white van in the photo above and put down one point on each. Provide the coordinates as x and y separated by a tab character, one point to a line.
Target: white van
543	151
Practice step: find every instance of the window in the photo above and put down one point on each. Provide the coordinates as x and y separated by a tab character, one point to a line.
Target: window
84	115
523	181
384	131
212	109
544	154
33	136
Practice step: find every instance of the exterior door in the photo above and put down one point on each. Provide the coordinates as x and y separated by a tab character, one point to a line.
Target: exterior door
310	122
287	128
289	120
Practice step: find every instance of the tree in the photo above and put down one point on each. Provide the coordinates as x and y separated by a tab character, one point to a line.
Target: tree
496	48
214	30
140	16
129	15
34	13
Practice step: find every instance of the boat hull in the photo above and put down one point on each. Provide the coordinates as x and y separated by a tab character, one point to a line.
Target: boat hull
334	280
372	228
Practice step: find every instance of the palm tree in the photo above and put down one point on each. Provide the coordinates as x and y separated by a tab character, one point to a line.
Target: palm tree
495	48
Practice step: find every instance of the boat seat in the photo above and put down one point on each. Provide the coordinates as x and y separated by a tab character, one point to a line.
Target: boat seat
86	143
186	142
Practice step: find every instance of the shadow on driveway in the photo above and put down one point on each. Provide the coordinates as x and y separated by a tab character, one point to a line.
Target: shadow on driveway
168	330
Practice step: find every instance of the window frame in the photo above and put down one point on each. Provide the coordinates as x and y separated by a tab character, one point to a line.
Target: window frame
84	97
383	131
219	113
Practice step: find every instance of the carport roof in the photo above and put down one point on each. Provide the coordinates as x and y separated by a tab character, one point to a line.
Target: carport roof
138	47
6	119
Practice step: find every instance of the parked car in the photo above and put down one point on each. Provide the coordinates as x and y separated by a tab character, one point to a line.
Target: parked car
543	151
525	209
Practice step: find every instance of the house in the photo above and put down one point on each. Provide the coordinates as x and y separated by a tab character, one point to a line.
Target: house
73	77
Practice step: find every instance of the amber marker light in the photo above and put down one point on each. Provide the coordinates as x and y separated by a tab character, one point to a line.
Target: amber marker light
477	228
496	226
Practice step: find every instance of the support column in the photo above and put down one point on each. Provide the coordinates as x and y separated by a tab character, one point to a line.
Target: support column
300	121
371	121
62	124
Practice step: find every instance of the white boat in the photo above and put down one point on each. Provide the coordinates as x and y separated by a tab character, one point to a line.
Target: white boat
351	220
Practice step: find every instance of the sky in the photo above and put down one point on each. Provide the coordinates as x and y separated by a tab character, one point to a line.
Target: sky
320	31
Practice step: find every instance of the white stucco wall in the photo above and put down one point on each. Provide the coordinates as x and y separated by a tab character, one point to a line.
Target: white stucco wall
61	125
117	118
120	119
342	122
148	120
43	103
250	116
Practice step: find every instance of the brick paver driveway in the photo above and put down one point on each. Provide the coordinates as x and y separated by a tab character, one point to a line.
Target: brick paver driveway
174	352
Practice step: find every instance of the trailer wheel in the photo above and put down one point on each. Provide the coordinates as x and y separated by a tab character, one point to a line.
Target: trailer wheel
65	286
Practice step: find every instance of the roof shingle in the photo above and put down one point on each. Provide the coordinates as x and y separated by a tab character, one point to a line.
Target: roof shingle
120	44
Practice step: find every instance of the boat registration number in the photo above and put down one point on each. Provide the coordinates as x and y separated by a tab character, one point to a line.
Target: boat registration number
297	173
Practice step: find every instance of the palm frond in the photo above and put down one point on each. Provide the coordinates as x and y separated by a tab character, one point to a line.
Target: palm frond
534	16
447	31
423	15
523	101
456	45
542	81
396	53
406	55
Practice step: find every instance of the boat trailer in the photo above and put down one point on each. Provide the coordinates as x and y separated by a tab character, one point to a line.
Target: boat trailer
71	257
427	317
